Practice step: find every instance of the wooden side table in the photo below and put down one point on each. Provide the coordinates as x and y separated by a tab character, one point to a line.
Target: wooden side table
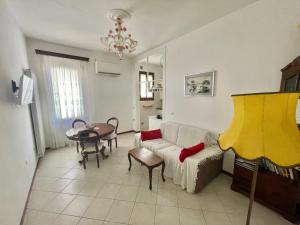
148	159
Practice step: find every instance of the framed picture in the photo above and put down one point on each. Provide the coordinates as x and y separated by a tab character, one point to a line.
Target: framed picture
199	84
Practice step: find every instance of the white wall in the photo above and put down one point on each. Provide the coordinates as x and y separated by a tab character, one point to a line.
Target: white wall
107	95
17	153
247	48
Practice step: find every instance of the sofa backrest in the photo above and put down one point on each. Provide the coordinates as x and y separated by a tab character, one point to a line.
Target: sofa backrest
170	131
187	136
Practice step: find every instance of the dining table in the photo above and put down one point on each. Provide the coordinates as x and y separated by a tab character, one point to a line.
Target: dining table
103	129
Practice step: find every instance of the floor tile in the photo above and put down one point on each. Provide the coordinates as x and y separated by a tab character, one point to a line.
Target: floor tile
131	179
216	218
91	188
78	206
145	195
85	221
237	219
210	202
99	208
191	217
109	190
76	174
42	218
166	215
112	223
145	182
127	193
143	214
66	193
59	203
52	172
120	212
168	184
74	187
234	202
116	179
66	220
189	200
167	197
57	185
39	199
29	216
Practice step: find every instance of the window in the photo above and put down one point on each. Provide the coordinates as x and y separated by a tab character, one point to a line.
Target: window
146	83
66	87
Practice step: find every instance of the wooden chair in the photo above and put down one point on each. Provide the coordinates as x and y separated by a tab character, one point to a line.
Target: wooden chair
113	136
78	123
90	144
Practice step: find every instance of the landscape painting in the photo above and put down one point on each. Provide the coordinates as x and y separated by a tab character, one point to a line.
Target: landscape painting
199	84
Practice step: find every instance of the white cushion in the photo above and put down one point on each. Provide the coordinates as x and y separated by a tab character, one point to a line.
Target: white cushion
154	145
189	136
171	157
170	131
91	147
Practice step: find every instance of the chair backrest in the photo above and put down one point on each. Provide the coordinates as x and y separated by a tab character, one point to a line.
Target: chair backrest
114	121
78	121
88	136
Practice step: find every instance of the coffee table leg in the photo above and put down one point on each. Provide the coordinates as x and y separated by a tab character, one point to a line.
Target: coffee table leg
129	158
150	178
162	171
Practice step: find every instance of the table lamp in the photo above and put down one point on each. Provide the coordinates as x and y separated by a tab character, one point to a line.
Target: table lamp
264	126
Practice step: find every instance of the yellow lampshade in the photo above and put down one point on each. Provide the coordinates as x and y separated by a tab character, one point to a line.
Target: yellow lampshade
264	125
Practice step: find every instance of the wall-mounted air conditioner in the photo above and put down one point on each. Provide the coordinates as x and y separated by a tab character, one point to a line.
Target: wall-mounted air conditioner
107	68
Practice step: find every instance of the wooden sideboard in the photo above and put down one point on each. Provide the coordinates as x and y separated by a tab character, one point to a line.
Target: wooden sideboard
275	191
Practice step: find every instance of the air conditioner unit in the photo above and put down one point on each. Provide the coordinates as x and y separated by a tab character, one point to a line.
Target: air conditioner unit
107	68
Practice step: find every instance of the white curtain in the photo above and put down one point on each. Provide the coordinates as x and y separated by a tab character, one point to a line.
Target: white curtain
64	99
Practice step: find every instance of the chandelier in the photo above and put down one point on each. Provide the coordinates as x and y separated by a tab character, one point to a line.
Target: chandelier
117	40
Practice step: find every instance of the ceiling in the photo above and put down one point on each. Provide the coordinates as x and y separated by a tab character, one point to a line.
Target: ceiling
80	23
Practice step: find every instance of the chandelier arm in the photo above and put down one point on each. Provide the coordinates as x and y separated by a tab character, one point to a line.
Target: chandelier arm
118	41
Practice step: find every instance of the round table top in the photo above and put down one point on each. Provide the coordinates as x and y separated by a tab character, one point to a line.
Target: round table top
103	129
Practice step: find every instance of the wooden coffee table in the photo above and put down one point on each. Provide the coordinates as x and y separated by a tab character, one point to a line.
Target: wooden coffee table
148	159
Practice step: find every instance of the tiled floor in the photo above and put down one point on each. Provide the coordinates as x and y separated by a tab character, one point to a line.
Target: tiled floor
65	194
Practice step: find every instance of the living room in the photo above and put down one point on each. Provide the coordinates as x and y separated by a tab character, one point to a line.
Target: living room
179	78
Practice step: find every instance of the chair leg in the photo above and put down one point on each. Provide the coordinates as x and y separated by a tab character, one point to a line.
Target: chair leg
97	157
102	153
116	140
83	162
77	146
110	145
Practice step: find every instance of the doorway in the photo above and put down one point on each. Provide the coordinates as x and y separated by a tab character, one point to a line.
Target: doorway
150	91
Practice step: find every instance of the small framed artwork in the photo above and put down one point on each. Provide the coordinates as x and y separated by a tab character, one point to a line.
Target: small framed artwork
200	84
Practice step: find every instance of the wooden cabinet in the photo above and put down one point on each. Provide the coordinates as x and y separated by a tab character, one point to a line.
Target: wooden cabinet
290	80
275	191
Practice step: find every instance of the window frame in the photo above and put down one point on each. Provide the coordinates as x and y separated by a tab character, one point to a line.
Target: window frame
147	74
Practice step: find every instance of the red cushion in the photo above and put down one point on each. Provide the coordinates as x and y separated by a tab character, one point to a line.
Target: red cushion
150	135
186	152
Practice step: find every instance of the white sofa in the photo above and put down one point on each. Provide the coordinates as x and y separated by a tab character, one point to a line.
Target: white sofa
197	170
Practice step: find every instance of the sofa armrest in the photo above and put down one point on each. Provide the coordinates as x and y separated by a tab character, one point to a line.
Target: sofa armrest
137	140
207	172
